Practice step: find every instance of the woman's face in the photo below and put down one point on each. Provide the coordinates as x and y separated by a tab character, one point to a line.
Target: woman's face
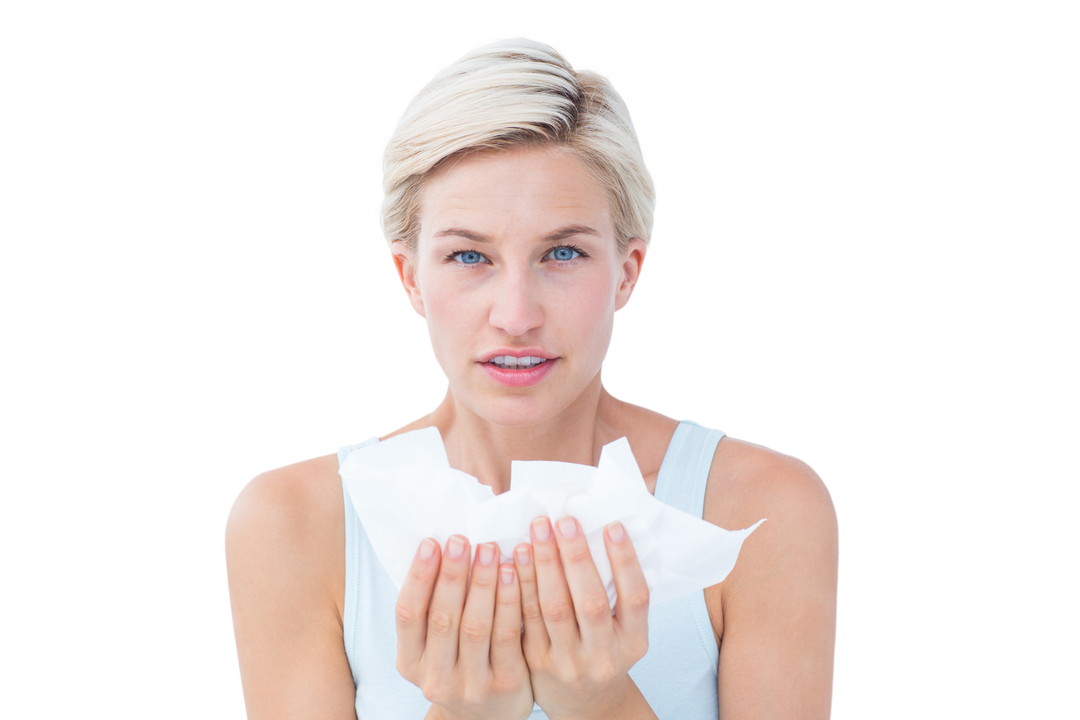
517	264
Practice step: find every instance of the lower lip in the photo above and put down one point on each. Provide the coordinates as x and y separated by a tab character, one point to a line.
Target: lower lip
518	378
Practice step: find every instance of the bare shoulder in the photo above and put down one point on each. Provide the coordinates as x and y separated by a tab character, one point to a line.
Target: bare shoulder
301	486
284	546
798	541
748	482
294	508
775	614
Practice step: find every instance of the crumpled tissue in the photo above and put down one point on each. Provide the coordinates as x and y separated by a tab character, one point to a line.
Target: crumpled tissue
404	490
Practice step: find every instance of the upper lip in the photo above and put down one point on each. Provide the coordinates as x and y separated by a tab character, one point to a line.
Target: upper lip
517	352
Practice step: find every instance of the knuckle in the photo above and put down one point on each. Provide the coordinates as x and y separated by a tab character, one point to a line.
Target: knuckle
446	688
638	599
505	684
405	615
451	574
435	691
558	611
595	607
601	671
526	581
530	611
569	672
477	694
418	573
440	624
482	580
473	631
576	553
505	635
547	560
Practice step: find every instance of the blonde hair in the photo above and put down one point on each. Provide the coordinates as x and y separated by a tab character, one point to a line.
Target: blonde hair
510	94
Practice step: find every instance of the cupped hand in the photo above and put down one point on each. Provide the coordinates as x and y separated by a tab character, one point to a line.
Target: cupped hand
459	639
578	653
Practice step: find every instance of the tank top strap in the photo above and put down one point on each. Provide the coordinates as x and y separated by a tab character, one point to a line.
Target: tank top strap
684	473
343	453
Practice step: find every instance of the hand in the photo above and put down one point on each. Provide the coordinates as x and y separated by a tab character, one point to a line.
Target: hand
577	652
462	647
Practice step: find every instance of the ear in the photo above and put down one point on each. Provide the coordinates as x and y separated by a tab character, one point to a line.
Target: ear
633	259
405	262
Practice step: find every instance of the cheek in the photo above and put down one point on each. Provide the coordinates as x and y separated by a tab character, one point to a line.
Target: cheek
451	310
593	293
586	309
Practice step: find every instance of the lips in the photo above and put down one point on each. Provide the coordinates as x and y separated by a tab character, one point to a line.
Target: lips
519	377
517	353
515	366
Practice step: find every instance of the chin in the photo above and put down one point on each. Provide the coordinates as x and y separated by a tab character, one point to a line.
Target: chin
515	411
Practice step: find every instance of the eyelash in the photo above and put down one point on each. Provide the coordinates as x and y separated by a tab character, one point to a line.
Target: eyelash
450	257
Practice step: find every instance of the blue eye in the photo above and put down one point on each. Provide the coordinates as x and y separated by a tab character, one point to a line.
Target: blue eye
567	248
470	253
472	258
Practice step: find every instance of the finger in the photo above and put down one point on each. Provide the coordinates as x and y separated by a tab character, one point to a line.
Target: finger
536	641
556	605
506	654
591	606
632	605
411	609
444	617
474	649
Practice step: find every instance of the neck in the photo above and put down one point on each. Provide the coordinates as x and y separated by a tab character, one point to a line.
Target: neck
484	449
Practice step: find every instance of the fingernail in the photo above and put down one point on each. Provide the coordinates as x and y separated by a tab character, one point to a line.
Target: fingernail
523	555
455	546
615	532
541	529
568	527
427	548
485	553
506	575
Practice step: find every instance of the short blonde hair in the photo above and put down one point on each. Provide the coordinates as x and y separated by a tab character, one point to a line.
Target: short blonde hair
510	94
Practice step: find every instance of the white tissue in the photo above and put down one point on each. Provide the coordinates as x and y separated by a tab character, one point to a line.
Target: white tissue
404	490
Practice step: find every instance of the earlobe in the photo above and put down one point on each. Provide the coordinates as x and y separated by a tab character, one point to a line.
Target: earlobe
631	271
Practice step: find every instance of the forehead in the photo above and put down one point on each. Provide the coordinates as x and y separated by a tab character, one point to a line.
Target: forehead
504	190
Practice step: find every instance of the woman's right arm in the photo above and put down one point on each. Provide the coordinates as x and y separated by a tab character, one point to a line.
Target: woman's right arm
284	546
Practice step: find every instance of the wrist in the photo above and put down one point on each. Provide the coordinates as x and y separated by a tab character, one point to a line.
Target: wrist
632	704
626	703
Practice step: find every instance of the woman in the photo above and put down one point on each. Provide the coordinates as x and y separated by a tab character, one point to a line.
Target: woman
518	210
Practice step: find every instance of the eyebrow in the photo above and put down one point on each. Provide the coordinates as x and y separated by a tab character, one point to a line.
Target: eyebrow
560	234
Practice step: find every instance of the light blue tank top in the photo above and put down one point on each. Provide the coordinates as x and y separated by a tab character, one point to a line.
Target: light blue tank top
677	675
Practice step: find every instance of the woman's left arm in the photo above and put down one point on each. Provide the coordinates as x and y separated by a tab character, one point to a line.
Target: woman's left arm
577	651
775	614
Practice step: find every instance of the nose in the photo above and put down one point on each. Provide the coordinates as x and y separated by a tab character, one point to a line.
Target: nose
516	307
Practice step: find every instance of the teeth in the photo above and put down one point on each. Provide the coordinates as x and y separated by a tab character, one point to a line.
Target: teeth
507	362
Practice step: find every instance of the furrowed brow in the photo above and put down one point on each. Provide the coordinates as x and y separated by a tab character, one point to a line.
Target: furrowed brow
570	231
562	233
464	233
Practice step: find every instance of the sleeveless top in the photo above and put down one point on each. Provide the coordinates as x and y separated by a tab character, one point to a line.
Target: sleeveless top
677	675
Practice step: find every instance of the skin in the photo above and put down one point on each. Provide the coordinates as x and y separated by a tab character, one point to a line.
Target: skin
574	655
517	299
